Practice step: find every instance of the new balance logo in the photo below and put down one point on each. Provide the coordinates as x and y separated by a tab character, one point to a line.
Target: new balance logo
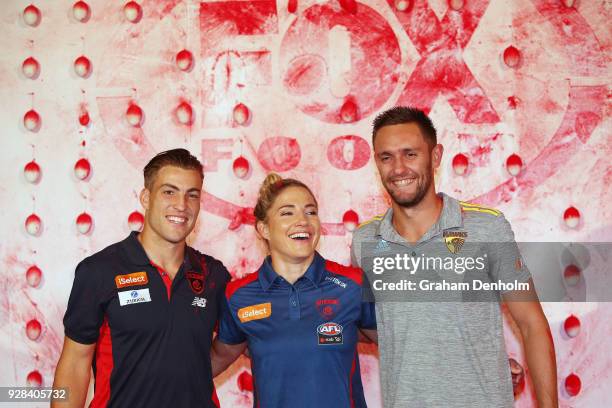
199	302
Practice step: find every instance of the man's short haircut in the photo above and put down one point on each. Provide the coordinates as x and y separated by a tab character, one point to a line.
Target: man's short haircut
176	157
404	114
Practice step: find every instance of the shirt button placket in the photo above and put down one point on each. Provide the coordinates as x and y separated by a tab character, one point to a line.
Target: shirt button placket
294	305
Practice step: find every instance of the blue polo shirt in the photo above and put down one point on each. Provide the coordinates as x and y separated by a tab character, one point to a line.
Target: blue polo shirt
302	338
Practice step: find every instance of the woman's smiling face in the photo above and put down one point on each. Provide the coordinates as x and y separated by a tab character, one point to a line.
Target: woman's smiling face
292	227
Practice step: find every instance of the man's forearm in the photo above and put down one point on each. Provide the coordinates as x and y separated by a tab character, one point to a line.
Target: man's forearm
540	354
223	355
217	363
76	380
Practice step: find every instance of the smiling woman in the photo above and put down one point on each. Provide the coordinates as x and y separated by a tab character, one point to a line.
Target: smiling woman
288	220
299	313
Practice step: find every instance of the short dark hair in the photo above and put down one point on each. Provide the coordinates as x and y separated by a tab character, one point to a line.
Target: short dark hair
406	114
175	157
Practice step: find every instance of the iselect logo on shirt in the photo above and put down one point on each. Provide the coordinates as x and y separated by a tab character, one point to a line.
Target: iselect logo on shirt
130	297
131	279
255	312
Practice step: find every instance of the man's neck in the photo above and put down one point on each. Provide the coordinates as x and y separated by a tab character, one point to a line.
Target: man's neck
290	270
167	255
413	222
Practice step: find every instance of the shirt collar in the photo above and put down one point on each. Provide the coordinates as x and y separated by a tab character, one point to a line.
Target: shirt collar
134	251
451	213
192	262
450	217
136	254
314	273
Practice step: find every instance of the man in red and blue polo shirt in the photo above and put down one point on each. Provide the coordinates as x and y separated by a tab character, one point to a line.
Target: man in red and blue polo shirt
302	338
142	311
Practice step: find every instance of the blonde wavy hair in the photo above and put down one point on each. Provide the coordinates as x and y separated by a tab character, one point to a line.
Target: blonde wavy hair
271	187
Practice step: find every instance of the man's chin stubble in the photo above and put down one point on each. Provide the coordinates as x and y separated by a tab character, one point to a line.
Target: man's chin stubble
409	203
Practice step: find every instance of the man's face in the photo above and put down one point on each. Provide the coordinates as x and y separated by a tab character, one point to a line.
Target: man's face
405	162
173	203
292	228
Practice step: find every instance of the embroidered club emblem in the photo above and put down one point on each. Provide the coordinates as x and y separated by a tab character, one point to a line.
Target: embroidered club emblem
454	240
327	308
196	282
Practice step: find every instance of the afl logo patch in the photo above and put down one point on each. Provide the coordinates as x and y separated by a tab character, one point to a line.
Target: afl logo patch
329	333
196	282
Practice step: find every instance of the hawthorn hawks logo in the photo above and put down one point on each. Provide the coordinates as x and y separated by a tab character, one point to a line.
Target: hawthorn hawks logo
454	240
196	282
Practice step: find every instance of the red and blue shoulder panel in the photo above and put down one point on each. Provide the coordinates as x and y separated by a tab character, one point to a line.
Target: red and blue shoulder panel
351	272
234	285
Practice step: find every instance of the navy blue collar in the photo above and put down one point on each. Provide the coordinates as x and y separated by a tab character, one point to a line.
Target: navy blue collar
136	254
314	273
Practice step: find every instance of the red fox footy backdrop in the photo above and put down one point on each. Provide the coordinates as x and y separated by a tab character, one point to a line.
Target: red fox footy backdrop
91	90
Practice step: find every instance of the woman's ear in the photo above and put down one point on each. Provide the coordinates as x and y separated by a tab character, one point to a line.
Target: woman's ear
263	230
